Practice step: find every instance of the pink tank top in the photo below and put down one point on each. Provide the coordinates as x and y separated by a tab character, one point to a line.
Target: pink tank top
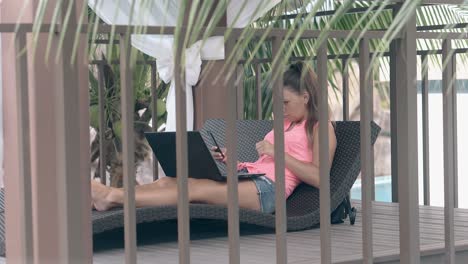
295	144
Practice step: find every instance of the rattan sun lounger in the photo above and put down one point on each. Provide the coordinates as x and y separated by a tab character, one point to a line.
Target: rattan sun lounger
302	206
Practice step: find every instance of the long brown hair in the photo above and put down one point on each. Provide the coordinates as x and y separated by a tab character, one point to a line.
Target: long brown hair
300	78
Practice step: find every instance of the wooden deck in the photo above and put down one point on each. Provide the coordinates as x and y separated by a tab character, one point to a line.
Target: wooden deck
158	242
209	241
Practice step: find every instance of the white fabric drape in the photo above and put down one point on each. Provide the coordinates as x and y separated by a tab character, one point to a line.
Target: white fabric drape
164	13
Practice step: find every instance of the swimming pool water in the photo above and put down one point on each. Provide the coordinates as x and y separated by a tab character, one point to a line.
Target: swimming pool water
383	189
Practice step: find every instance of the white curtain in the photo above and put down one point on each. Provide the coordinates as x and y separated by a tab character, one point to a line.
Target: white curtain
164	13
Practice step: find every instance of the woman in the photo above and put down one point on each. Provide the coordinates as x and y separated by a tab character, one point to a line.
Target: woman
301	157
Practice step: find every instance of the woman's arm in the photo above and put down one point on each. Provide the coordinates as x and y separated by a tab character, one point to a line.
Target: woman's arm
221	157
307	172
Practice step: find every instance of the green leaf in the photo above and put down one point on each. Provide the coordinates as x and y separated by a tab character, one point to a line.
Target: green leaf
94	116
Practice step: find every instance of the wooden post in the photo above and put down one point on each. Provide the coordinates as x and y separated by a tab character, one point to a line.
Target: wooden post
210	94
58	139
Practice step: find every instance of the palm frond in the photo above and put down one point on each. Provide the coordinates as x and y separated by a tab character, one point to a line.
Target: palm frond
376	17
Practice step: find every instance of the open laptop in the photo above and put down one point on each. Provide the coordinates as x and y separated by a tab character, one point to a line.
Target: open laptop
201	164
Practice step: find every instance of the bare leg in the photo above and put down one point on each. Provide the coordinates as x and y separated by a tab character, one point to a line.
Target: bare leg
104	197
163	182
164	192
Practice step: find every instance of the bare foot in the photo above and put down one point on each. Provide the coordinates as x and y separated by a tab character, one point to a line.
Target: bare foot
100	195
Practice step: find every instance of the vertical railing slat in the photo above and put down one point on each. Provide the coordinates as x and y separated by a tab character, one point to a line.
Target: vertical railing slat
278	127
72	158
128	148
447	95
183	215
154	113
366	174
322	72
345	74
232	180
425	127
240	91
102	125
345	90
393	119
24	158
455	131
406	135
258	81
371	117
183	227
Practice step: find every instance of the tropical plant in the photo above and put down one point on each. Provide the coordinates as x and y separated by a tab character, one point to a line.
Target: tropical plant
374	17
112	109
113	125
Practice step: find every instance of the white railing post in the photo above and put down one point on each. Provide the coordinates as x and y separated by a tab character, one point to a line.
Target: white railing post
405	151
425	127
455	130
447	95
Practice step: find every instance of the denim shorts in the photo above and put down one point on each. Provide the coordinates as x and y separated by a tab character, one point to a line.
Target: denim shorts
266	193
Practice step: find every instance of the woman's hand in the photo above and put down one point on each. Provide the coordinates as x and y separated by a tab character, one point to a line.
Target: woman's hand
217	155
265	148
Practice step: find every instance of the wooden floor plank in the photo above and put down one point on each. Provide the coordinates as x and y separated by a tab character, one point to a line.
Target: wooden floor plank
211	246
303	247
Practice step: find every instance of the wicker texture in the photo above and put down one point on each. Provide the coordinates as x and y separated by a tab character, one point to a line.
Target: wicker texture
249	133
302	206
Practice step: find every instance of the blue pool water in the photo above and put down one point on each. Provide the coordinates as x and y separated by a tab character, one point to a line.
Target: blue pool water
383	189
